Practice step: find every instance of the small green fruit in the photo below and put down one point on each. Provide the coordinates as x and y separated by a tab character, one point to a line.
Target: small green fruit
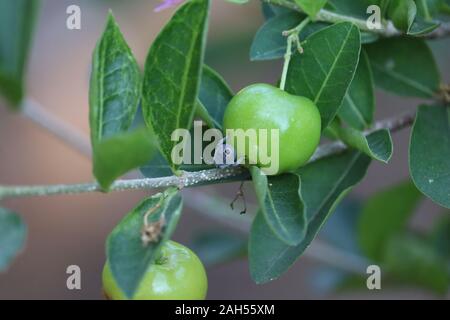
177	275
262	106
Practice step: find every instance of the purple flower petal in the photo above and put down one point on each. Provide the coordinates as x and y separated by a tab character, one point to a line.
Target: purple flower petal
167	4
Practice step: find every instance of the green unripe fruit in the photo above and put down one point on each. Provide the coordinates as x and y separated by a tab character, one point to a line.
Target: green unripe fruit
178	274
262	106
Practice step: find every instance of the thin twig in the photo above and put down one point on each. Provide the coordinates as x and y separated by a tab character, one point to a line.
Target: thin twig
387	30
292	38
394	124
60	129
188	179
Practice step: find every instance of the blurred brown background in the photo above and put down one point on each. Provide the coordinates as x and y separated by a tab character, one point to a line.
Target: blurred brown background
67	230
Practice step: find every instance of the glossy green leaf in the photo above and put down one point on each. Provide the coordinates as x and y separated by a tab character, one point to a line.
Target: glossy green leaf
325	70
384	215
113	101
159	167
343	172
269	256
421	27
202	113
359	103
429	153
128	258
214	95
427	9
279	199
115	85
156	167
341	226
13	232
391	61
17	21
113	157
413	260
311	7
402	13
269	42
377	145
172	74
217	247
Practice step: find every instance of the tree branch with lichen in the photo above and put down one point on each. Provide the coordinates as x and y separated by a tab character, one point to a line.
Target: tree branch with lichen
386	30
190	179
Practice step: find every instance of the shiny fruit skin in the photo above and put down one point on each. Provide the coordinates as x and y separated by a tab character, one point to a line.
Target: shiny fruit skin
262	106
177	275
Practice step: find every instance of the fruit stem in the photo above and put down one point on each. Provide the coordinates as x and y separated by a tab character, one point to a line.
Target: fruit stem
292	37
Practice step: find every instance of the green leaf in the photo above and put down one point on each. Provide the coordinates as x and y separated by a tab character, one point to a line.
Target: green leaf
13	232
217	247
384	215
311	7
159	167
203	114
279	199
402	13
116	156
359	103
115	85
17	21
391	61
429	153
128	258
427	9
421	27
172	74
440	236
413	260
113	100
325	70
341	226
269	42
270	11
214	95
377	145
269	256
343	172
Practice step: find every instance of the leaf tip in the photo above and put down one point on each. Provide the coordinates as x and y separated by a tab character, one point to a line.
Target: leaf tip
111	21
